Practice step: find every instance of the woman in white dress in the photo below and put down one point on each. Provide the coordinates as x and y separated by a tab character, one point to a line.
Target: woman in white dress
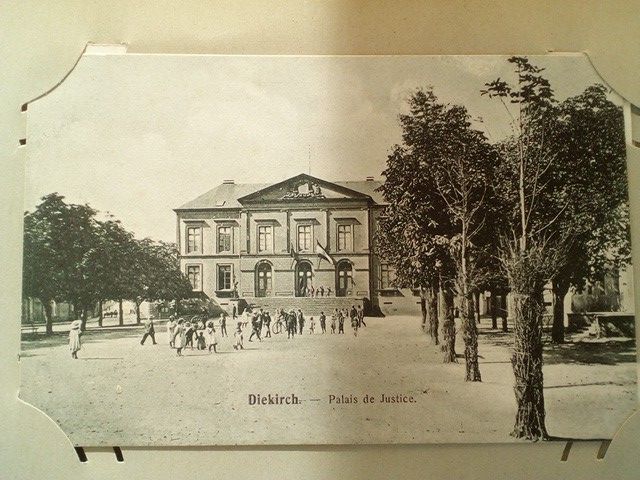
179	337
74	338
171	326
210	336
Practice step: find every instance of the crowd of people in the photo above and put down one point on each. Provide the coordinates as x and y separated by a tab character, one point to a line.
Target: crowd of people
203	333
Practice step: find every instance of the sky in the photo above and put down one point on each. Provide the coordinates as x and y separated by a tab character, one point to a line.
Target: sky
138	135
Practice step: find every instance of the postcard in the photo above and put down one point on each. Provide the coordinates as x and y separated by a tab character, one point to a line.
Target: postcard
287	250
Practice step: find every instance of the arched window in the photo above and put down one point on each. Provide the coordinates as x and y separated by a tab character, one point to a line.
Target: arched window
344	278
304	275
264	279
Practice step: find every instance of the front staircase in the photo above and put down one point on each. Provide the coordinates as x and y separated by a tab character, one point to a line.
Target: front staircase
308	305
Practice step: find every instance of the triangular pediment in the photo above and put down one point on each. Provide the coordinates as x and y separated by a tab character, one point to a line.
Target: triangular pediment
303	187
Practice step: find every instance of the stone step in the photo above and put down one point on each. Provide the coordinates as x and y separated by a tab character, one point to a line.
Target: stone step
308	305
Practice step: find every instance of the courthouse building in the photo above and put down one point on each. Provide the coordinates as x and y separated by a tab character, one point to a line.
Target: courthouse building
283	244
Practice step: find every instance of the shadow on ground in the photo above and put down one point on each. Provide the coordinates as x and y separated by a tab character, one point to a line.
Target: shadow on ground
31	341
604	352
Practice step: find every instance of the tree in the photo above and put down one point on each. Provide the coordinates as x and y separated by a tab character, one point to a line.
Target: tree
57	237
156	274
462	171
532	248
592	174
414	232
111	259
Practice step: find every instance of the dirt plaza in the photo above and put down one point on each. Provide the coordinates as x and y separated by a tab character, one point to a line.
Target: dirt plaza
122	393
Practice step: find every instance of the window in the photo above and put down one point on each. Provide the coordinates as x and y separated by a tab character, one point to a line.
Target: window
194	239
195	277
264	279
265	238
224	239
224	277
387	276
345	239
304	237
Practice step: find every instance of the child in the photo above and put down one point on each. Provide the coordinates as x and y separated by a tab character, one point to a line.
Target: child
74	338
189	331
178	337
210	333
239	338
312	325
201	341
171	326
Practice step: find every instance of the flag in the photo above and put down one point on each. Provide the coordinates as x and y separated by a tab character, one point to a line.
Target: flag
294	254
320	250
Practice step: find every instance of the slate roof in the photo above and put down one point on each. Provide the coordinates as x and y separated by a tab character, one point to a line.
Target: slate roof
226	195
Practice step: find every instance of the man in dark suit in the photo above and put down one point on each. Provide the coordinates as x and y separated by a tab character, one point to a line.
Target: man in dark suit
300	321
149	331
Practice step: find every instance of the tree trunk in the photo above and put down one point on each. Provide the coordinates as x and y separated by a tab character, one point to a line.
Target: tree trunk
470	336
432	296
137	313
100	317
76	311
503	311
494	310
48	316
423	309
120	315
527	367
476	301
83	325
560	289
448	327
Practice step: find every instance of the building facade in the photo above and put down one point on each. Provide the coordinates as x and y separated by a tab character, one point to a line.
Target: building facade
300	238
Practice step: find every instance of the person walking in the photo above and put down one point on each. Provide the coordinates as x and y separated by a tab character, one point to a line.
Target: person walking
333	322
239	337
179	338
323	322
361	317
353	314
300	321
210	336
234	312
291	324
312	326
223	323
149	331
256	324
74	338
189	331
171	326
340	322
266	323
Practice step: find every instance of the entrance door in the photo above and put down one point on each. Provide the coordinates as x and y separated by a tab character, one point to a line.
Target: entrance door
263	280
344	279
303	279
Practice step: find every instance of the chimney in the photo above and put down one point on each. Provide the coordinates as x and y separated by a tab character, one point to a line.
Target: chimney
369	179
228	182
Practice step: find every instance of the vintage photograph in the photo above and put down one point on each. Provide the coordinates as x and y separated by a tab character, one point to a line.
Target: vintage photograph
271	250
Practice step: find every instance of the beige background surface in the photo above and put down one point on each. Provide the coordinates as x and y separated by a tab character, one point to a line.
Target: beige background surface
42	40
